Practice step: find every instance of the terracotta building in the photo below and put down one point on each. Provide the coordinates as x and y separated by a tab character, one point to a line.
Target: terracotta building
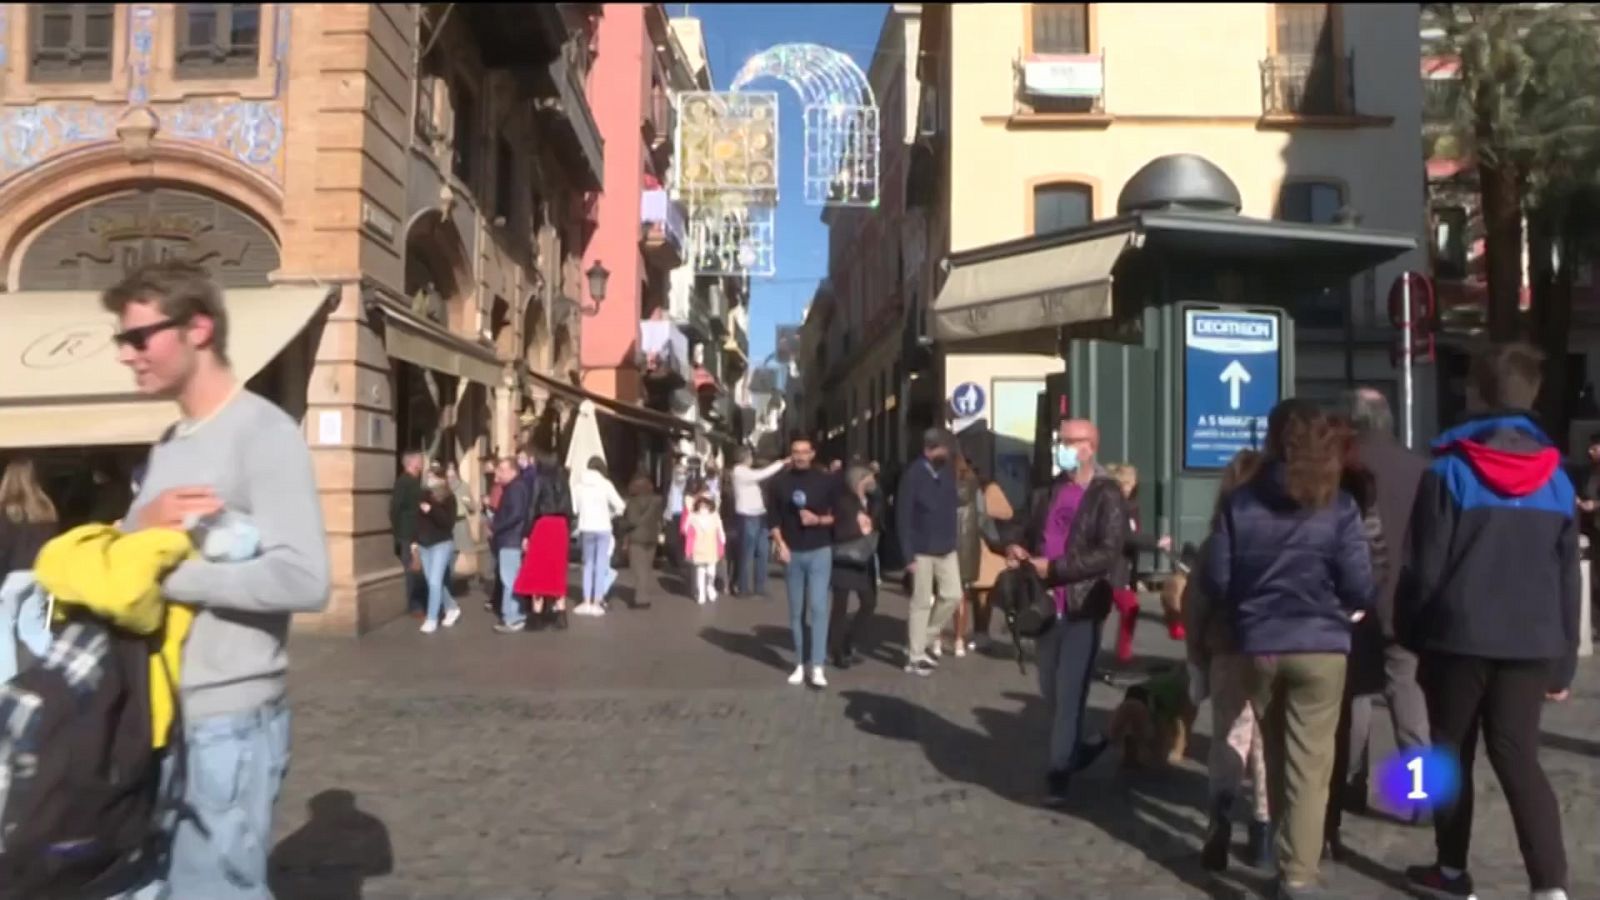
397	198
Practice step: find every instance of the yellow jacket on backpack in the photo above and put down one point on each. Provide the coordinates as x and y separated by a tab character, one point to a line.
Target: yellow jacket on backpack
117	577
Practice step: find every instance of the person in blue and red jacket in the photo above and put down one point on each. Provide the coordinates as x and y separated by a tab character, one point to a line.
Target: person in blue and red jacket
1491	606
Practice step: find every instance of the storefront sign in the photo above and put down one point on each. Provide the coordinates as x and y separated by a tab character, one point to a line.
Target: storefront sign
1231	369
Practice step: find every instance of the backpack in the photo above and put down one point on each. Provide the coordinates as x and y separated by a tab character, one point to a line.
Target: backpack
80	781
1028	607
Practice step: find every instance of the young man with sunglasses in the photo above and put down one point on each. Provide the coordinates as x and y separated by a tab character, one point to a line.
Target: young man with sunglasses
229	450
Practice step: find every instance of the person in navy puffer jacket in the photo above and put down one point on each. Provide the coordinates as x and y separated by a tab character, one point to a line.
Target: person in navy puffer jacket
1288	562
1491	605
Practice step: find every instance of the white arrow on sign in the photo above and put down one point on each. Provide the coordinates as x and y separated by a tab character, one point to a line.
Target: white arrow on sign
1234	375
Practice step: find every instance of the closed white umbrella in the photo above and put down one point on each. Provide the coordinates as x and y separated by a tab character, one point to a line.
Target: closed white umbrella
585	443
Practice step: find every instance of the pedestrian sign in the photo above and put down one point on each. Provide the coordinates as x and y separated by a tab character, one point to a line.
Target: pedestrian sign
967	400
1231	373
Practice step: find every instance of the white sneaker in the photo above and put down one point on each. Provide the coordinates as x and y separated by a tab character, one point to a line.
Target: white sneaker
713	596
936	649
818	680
798	676
597	610
700	601
961	649
429	627
452	617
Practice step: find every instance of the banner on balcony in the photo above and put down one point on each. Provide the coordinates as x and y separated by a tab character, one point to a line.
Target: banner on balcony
1063	76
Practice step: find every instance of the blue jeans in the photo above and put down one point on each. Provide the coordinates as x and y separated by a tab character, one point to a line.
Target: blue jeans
753	554
436	568
806	578
23	612
596	564
236	765
1066	670
510	561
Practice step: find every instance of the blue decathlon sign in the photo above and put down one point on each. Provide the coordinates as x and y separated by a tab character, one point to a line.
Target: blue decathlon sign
1231	366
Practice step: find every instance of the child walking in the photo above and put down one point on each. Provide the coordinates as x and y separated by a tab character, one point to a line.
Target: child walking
703	535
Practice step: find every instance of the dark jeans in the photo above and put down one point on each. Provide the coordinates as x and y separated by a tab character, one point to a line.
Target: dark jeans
842	628
1503	698
416	584
1066	669
753	546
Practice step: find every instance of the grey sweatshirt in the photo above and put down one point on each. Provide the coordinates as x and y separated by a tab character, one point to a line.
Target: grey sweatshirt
253	455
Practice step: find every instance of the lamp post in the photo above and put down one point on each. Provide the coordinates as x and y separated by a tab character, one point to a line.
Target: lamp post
597	276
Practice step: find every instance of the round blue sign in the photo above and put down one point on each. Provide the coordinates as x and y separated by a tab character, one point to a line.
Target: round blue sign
967	400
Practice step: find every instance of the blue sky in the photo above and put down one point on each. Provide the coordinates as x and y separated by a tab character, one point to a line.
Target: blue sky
735	32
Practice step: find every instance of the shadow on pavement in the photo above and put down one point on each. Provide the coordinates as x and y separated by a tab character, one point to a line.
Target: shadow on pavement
1568	744
762	644
331	856
1006	756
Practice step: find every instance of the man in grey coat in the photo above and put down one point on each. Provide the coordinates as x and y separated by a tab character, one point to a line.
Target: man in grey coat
1397	472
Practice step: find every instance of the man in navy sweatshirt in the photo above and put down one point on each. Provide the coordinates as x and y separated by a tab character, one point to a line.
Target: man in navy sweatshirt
926	516
508	539
1491	607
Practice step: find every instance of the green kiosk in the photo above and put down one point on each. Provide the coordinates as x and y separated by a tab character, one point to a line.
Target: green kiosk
1176	321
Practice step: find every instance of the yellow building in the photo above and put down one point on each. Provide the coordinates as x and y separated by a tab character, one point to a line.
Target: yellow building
1034	116
395	198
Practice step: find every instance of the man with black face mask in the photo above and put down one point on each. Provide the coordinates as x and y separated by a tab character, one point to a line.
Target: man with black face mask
926	515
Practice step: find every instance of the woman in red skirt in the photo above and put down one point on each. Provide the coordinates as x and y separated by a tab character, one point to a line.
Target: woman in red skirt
543	575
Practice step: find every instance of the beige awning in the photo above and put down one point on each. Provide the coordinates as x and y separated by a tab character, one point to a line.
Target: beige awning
1033	289
62	386
421	343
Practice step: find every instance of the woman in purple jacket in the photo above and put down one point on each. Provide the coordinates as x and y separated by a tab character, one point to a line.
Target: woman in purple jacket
1288	562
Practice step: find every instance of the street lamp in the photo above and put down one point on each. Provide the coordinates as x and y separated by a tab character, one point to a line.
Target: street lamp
597	275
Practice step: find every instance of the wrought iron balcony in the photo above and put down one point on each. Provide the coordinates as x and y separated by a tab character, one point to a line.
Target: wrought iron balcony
661	121
665	228
1060	83
580	138
1308	85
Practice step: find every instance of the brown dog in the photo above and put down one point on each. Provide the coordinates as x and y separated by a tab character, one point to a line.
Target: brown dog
1154	720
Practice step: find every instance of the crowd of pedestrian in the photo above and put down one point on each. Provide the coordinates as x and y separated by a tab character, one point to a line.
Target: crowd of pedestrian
1337	567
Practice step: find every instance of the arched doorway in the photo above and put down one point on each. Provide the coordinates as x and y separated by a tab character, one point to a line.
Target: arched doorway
427	403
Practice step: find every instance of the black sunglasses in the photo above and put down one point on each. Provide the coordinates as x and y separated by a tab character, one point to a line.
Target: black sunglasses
139	338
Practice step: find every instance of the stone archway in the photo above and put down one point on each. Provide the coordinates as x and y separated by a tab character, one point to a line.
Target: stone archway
438	278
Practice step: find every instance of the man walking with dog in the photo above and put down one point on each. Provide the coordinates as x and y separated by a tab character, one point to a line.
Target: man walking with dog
1077	529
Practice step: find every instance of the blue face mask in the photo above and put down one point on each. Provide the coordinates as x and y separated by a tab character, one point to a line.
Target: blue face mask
1067	457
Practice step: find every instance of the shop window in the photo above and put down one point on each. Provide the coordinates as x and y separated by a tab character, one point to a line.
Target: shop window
1450	243
1059	207
70	42
1316	203
425	124
465	136
505	180
218	40
1060	28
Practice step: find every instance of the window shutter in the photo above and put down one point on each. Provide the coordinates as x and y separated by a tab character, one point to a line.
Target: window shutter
1060	27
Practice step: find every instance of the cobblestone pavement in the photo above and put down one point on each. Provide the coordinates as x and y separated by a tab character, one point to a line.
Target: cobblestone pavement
659	753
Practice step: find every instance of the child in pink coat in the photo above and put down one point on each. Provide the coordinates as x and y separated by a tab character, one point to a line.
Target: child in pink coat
705	542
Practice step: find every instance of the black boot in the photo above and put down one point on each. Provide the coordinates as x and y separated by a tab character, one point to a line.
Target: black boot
1056	784
1219	836
1261	852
